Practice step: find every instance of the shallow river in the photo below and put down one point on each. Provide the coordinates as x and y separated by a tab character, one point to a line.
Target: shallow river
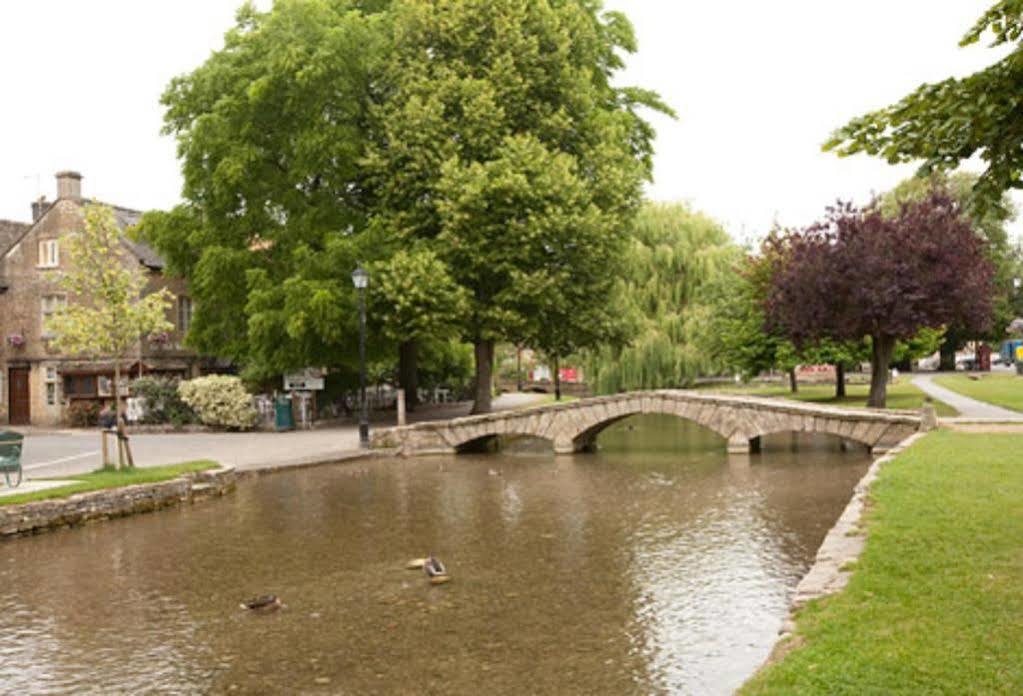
658	565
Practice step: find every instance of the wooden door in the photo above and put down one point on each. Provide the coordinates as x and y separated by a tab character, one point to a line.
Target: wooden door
18	396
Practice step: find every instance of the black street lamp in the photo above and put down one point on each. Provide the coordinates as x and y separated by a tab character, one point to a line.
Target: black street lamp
360	278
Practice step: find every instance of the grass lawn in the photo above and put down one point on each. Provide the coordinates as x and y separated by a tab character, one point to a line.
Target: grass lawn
936	600
998	389
901	395
111	478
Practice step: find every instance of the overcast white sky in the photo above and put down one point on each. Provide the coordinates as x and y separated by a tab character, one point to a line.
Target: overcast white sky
758	87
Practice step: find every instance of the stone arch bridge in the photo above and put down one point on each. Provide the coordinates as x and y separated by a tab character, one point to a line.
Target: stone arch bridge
573	426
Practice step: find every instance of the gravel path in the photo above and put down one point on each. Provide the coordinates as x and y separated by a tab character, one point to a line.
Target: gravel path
969	409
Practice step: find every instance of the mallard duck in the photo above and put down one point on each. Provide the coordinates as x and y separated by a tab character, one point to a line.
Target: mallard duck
434	568
263	603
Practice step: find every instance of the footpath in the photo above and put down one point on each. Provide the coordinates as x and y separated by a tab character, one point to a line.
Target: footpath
970	410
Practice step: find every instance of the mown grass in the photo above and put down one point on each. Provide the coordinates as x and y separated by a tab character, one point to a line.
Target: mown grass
901	395
1001	390
111	478
934	604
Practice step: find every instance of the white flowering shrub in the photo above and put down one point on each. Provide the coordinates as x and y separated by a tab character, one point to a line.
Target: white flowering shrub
220	401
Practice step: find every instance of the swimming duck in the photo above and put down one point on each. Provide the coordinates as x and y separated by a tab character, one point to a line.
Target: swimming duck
434	568
264	603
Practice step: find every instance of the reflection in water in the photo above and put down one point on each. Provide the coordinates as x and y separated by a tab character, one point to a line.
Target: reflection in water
659	565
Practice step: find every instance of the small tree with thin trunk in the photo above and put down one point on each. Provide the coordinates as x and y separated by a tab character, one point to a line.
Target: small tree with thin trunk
108	311
860	274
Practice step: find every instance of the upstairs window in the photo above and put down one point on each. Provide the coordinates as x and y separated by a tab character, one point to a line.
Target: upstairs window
184	314
51	304
49	253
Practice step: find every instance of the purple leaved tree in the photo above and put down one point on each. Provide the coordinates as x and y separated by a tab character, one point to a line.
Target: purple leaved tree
858	273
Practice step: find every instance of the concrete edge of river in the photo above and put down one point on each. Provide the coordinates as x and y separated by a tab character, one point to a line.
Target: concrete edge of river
841	548
81	508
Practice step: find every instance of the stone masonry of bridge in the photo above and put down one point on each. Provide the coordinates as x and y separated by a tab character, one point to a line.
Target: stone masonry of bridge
574	426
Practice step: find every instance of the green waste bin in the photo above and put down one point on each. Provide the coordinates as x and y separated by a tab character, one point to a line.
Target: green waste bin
283	417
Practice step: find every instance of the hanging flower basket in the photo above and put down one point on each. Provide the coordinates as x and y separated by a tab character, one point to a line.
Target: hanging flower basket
15	340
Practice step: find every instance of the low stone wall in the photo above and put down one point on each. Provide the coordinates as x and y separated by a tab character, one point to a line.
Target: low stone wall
45	515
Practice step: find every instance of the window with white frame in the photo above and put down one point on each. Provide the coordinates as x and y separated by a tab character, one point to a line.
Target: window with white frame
51	304
51	386
184	314
49	253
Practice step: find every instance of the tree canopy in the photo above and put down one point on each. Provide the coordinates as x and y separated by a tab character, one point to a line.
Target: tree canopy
671	255
945	123
860	273
483	139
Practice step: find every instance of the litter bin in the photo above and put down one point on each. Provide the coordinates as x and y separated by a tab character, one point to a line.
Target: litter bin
283	417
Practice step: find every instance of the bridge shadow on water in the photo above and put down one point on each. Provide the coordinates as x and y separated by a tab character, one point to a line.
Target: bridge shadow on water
660	436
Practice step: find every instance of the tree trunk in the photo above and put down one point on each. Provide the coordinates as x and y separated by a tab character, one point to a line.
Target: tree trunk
557	379
881	349
518	368
484	376
408	373
793	383
839	381
947	351
124	457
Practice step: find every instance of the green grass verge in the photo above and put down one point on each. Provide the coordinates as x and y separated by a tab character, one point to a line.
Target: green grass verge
1001	390
111	478
901	395
934	604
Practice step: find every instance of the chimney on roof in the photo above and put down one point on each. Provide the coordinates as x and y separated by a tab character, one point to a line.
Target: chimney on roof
69	185
39	207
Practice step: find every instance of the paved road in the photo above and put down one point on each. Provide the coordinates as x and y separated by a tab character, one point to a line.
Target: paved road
63	453
968	408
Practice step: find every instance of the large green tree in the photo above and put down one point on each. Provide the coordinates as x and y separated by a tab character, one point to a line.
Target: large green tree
270	131
503	145
948	122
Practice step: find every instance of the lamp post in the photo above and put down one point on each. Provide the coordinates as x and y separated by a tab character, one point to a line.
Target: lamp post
360	278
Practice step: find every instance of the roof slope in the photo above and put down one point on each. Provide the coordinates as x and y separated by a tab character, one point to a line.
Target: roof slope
10	233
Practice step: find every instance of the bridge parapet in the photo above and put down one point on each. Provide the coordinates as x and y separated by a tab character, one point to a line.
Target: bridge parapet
574	426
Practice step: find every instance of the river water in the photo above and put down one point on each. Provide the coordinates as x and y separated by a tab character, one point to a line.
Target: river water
659	565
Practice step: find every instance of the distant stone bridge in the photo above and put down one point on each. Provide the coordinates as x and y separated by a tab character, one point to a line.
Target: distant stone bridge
574	426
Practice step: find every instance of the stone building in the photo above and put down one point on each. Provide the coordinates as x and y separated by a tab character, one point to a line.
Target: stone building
38	384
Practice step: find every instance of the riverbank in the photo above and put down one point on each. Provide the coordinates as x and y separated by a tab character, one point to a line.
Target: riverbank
933	604
117	499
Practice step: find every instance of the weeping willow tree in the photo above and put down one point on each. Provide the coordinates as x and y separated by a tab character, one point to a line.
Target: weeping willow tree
671	253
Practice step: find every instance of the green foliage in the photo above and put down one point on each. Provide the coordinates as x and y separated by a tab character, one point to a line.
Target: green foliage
672	255
163	403
473	154
220	401
270	130
946	123
934	603
108	311
504	147
414	296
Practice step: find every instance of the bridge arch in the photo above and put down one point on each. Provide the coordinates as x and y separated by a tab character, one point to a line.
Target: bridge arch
574	426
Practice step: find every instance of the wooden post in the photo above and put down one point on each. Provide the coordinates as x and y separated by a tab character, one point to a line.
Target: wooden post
106	449
401	406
